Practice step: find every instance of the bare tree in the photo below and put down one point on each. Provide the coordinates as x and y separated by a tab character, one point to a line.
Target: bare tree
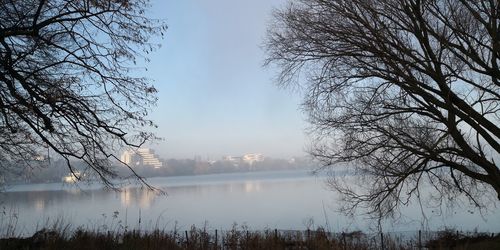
407	91
66	81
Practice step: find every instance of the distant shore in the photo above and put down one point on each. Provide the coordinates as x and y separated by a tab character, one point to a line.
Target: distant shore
57	171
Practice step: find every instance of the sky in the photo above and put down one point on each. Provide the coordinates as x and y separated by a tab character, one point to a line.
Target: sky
215	97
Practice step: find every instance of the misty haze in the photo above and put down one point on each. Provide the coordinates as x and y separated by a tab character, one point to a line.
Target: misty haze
308	124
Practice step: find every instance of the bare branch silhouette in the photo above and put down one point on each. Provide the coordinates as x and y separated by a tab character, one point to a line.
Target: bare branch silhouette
407	91
67	81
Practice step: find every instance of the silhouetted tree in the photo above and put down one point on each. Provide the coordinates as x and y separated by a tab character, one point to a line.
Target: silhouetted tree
66	82
408	91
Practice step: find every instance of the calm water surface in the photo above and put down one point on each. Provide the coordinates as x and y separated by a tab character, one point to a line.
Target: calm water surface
283	200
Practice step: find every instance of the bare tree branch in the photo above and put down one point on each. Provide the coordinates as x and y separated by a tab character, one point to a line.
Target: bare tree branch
66	84
408	91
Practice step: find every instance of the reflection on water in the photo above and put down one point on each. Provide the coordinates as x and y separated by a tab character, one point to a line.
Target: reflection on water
143	198
252	187
271	199
39	204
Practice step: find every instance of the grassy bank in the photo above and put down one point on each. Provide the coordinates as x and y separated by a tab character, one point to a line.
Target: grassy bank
200	238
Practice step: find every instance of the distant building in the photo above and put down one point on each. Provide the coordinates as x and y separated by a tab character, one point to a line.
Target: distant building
149	158
142	156
126	157
251	158
231	158
247	158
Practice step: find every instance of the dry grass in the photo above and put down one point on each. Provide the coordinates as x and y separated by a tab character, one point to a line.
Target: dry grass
195	238
450	239
116	236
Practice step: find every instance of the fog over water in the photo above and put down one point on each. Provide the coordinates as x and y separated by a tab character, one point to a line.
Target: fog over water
282	200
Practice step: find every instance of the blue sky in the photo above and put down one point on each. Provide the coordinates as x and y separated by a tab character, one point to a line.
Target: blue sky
215	98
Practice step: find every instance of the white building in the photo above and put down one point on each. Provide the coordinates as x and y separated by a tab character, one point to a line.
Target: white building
149	158
247	158
251	158
231	158
126	157
142	156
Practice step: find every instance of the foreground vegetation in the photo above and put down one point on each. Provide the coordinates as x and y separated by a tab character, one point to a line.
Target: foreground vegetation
200	238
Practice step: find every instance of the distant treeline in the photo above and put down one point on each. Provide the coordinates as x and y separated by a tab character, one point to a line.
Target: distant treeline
177	167
55	170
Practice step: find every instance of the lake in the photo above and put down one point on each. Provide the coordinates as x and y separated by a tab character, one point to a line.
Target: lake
283	200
